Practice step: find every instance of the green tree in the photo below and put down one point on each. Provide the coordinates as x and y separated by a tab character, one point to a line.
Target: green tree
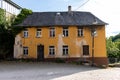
5	36
2	17
112	49
116	38
23	14
113	46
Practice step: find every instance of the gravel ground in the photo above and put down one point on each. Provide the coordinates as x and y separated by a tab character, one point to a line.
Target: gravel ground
54	71
101	74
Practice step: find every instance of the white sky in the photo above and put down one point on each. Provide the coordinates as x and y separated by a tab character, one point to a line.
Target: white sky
106	10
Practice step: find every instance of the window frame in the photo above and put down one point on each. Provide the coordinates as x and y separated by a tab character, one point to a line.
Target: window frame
65	31
25	33
65	50
95	32
52	31
51	50
86	52
80	31
39	31
25	50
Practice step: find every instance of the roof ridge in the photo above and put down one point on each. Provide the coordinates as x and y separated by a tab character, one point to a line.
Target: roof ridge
61	12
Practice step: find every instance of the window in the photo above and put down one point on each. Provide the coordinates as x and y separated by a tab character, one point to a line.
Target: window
80	32
65	32
25	33
25	50
94	32
65	50
39	33
52	32
51	50
85	49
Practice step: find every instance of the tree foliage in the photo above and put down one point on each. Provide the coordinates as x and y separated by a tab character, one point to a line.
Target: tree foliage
23	14
113	47
2	17
7	35
116	38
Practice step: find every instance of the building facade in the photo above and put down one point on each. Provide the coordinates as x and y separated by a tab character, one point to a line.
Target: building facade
11	8
67	35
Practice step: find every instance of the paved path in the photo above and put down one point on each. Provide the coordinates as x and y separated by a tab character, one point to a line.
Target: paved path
54	71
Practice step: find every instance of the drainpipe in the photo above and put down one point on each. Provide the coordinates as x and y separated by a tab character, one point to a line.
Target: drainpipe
93	34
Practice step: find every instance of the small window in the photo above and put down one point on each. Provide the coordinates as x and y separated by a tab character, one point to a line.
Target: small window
51	50
80	32
25	50
65	50
94	32
25	33
85	49
39	33
52	32
65	32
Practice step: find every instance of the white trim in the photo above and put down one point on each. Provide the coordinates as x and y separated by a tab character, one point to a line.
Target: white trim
40	33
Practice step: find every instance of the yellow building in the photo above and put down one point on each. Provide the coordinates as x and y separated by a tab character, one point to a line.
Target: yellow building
68	35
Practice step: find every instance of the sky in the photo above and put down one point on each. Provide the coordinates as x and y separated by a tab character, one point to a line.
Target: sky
107	10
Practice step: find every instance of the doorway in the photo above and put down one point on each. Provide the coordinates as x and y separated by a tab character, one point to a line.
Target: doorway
40	52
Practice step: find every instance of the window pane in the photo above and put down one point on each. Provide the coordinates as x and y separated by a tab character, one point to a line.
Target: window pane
65	32
38	33
25	33
85	50
65	50
80	31
52	32
51	50
25	50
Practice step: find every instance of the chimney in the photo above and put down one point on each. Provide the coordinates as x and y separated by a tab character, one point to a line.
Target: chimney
69	9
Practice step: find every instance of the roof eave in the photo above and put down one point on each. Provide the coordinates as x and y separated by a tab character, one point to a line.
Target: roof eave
14	4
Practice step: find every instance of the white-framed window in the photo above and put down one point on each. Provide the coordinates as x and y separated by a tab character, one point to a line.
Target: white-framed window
65	31
51	50
52	32
65	50
39	33
25	33
80	31
25	50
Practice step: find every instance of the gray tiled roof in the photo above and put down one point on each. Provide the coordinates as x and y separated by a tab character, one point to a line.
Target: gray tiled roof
61	19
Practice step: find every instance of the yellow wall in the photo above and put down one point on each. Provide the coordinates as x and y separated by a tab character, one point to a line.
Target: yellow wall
73	41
